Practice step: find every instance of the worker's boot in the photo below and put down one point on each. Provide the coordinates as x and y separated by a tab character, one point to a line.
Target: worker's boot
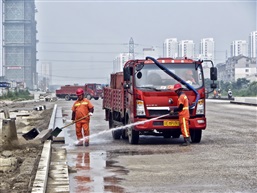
86	141
186	141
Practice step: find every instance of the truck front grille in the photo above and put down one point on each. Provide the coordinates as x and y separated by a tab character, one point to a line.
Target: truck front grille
158	112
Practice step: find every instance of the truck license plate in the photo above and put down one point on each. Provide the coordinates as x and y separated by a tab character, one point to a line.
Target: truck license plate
170	123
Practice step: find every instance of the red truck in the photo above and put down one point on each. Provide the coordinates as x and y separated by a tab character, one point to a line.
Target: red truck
92	90
143	91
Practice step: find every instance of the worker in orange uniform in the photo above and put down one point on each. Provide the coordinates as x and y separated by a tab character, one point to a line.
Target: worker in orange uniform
82	108
183	111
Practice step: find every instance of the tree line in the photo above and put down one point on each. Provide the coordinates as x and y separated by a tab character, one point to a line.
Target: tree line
242	87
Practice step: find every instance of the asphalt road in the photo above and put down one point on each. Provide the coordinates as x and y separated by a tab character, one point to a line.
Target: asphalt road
224	161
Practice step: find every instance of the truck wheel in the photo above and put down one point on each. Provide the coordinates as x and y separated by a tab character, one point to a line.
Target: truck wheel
116	134
67	97
196	135
124	134
89	97
133	136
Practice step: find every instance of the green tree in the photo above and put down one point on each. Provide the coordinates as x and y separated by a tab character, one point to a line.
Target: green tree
253	88
241	82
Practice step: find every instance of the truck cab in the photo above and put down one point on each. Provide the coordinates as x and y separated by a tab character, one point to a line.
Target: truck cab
93	90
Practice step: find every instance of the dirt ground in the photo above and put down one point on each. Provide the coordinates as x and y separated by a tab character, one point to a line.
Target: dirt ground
23	154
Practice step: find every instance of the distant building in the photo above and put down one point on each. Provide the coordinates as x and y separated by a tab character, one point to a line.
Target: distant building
207	53
19	41
252	49
186	48
170	48
237	67
119	62
44	76
238	47
207	49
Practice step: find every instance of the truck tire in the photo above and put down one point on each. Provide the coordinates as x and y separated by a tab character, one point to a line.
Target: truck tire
116	134
67	97
133	135
124	134
88	97
196	135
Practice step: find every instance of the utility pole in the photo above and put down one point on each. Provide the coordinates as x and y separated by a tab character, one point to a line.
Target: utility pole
131	48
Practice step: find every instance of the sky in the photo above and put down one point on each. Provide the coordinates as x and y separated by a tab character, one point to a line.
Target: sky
80	39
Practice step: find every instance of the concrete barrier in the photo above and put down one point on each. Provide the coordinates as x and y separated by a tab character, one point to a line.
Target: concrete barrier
245	100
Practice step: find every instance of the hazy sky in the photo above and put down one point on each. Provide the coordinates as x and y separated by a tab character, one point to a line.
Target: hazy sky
81	38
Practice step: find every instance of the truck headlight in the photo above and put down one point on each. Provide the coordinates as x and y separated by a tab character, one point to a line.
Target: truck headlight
140	108
200	107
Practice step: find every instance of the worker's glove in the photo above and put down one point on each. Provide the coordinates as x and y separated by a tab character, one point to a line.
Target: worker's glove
90	114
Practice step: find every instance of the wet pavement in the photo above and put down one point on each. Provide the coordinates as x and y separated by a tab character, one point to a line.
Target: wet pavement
161	165
91	169
93	173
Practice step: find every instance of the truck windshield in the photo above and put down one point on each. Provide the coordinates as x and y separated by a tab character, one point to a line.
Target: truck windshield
98	87
155	78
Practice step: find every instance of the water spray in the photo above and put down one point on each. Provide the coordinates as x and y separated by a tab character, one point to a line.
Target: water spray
121	127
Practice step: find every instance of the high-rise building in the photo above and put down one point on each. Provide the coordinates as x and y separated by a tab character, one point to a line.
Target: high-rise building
207	53
170	48
207	49
119	62
239	47
186	48
252	50
19	41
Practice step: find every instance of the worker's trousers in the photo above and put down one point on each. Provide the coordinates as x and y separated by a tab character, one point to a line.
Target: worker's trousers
183	122
82	125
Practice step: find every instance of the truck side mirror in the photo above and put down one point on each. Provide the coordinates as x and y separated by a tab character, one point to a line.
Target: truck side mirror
213	85
126	74
213	73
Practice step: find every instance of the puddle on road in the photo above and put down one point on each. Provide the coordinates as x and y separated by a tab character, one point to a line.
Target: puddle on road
93	173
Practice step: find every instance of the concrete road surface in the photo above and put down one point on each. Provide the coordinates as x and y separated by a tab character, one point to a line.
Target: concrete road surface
224	161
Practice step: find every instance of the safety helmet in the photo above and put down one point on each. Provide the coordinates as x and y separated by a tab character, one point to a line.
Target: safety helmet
79	92
177	87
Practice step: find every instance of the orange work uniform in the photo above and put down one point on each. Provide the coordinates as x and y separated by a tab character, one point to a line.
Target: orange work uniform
81	108
184	115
